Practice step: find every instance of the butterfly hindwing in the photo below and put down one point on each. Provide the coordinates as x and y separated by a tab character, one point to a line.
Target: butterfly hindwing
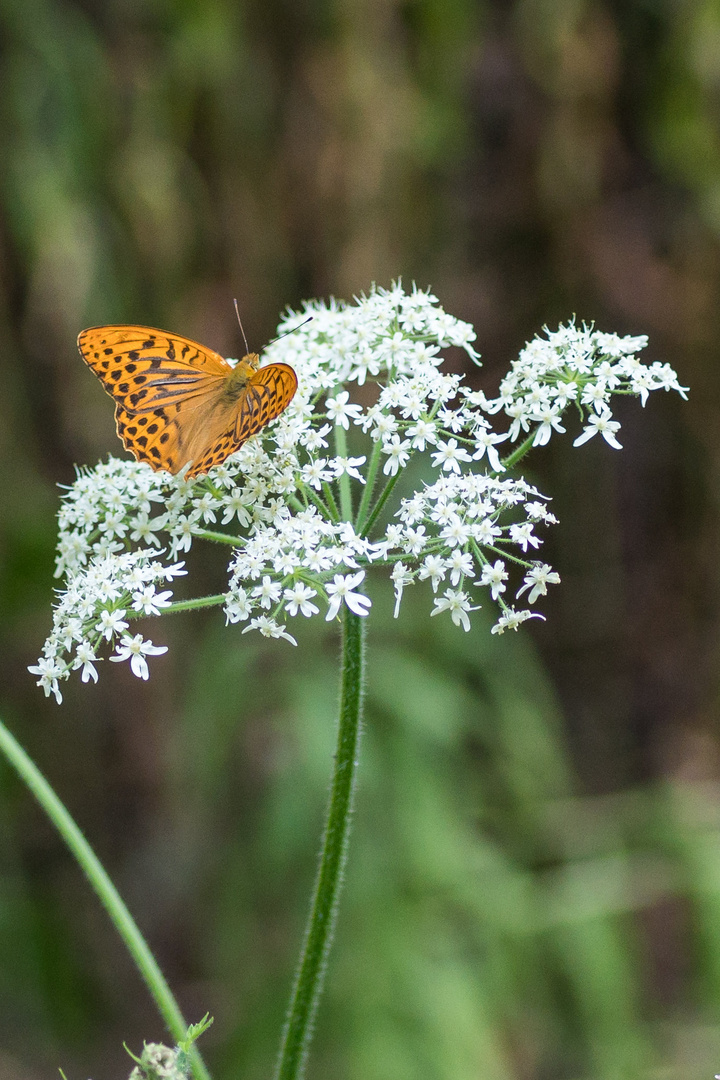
268	393
143	368
150	436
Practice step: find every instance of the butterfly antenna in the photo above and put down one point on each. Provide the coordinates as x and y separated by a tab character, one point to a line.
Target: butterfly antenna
286	332
237	312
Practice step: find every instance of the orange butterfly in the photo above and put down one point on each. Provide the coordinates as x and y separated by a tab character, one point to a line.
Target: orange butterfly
176	401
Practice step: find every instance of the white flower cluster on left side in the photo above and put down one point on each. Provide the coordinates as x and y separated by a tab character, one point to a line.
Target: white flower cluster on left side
94	609
382	459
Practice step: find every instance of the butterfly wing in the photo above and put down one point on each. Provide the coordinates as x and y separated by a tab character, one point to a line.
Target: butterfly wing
169	437
144	369
267	394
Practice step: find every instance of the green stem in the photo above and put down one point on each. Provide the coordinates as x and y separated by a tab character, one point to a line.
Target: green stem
106	891
318	502
330	500
384	496
194	604
219	537
341	449
323	913
520	452
367	494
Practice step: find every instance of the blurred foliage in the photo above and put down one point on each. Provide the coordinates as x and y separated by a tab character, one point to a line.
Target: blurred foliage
534	883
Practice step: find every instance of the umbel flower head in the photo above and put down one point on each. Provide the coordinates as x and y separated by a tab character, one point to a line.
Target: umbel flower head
383	459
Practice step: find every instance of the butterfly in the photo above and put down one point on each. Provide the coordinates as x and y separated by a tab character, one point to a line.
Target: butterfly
178	402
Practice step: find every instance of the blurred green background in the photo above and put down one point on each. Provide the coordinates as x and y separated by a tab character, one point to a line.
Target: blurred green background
534	884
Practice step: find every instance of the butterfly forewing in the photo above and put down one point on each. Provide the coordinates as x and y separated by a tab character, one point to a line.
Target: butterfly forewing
171	404
143	368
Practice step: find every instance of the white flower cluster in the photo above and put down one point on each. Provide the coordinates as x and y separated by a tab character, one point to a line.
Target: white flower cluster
582	367
95	608
312	502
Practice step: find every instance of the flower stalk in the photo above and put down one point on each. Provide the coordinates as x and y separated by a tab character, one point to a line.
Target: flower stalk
323	912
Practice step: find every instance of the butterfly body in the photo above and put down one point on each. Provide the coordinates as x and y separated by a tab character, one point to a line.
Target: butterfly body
178	402
239	377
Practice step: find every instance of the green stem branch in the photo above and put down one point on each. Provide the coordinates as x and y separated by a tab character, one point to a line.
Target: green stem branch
106	892
323	913
367	494
382	499
193	604
520	452
314	498
330	500
219	537
341	449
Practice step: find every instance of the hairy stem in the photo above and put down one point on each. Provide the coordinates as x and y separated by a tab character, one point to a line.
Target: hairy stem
323	913
341	449
519	452
382	499
367	494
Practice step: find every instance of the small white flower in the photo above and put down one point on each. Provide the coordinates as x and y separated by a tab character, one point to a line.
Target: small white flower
537	580
486	532
340	412
269	628
111	622
460	565
456	533
298	598
315	440
414	540
50	670
235	504
596	394
511	620
398	455
449	455
384	428
206	506
114	524
522	535
238	607
605	426
170	572
458	604
268	593
486	441
495	576
435	568
400	577
315	473
549	417
135	650
183	532
349	466
422	433
149	601
86	659
144	528
341	590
